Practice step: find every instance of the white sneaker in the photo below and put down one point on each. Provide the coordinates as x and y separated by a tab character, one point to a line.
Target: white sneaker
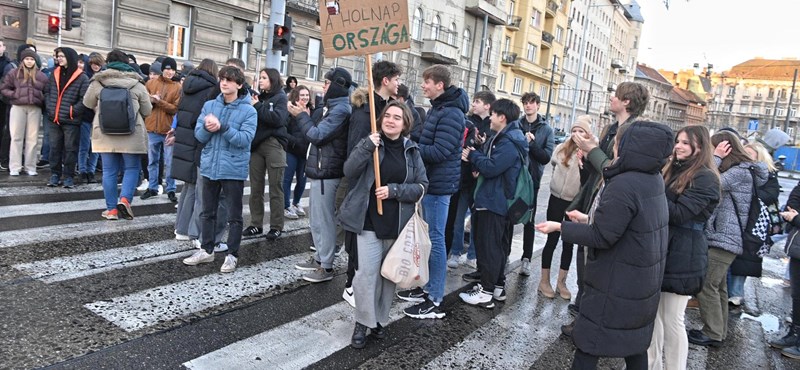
196	243
452	262
298	210
313	248
161	189
477	297
221	247
339	250
199	257
180	236
472	263
736	301
144	186
349	297
230	263
525	270
13	173
289	213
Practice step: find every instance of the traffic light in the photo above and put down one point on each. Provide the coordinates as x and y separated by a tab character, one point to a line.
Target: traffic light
287	23
53	24
256	37
281	37
73	14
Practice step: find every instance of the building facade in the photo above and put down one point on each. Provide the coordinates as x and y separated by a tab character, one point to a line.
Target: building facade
660	90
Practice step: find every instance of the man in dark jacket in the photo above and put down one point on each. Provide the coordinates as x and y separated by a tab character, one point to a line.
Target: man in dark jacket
268	156
476	132
4	109
626	238
442	157
499	166
64	102
325	168
404	96
540	148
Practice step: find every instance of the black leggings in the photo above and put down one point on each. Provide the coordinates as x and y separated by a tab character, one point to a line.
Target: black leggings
585	361
556	208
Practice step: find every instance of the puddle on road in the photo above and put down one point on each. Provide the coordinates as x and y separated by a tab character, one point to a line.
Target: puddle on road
770	323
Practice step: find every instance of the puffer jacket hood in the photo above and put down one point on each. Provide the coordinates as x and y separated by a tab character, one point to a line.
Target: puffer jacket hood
452	97
644	147
203	81
72	59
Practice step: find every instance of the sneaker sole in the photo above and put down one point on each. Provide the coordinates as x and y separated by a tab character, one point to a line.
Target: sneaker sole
225	271
304	268
431	315
796	357
411	299
245	237
499	299
471	280
196	263
127	213
306	278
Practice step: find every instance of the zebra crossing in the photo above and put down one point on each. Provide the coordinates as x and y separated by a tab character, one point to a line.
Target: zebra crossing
83	292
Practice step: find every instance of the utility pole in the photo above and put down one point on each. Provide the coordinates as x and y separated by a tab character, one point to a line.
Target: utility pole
277	13
580	59
589	101
550	94
791	98
480	57
60	17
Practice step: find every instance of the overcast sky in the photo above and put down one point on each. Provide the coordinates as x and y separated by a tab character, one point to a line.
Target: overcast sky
721	32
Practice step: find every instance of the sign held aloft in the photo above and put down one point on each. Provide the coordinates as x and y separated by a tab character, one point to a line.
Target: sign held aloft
360	27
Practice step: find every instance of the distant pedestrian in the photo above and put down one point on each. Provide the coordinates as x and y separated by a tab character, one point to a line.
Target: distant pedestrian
165	95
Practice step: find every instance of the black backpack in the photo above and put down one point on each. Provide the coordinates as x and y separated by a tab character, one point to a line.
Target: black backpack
116	114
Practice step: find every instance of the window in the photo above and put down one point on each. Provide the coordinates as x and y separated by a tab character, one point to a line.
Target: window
435	28
792	112
359	71
543	92
501	82
517	86
451	37
488	57
180	18
531	52
755	110
511	6
507	45
465	43
780	112
559	33
731	90
11	21
416	26
240	50
536	18
312	72
768	111
743	109
530	87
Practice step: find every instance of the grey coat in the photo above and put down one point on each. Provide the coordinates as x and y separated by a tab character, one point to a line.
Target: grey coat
722	230
358	166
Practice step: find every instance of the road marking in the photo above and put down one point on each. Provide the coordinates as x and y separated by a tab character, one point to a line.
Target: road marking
87	264
152	306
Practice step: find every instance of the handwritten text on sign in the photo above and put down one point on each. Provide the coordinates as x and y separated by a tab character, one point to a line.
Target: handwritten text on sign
359	27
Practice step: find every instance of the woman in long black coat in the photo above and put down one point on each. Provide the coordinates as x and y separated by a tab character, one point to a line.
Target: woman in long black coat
626	248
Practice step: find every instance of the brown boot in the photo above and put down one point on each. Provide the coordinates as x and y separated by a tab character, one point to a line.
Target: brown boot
544	285
561	285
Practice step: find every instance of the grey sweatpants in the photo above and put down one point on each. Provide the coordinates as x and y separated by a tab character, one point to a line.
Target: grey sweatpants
322	213
373	293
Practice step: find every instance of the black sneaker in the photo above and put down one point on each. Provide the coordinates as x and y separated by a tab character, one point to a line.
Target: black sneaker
573	309
252	231
42	164
172	197
90	178
472	277
148	194
413	295
273	234
3	167
425	310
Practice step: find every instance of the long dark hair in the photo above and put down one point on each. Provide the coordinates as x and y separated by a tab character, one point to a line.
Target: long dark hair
702	157
209	65
737	154
274	76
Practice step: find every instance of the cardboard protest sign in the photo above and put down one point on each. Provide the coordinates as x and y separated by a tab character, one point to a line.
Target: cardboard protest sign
360	27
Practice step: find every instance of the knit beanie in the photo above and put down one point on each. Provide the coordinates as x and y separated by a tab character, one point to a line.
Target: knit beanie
28	53
584	122
169	63
156	68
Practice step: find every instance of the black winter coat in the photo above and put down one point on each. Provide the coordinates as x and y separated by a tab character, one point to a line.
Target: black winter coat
441	139
298	144
64	92
749	263
272	118
626	247
328	138
360	126
687	255
540	150
198	88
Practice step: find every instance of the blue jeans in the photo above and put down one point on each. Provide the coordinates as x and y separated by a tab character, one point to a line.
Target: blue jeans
295	167
153	156
87	161
434	212
113	163
735	285
457	248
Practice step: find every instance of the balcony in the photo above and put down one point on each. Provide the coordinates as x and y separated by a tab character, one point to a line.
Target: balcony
514	23
551	9
547	40
509	59
481	8
309	7
611	87
530	68
616	63
439	50
759	97
745	97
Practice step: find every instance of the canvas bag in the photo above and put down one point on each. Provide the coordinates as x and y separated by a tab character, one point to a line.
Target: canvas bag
406	264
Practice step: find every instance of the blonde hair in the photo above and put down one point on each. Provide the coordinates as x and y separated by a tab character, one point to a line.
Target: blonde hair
762	155
27	74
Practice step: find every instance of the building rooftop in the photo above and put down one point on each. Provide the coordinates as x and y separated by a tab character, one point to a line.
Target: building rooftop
765	69
634	12
683	96
644	71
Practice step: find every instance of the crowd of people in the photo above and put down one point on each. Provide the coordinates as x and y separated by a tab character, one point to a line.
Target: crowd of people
656	216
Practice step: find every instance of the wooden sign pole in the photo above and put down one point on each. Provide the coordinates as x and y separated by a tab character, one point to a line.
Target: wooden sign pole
374	126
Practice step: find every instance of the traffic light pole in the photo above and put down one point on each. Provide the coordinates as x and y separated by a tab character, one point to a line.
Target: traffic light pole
60	17
276	16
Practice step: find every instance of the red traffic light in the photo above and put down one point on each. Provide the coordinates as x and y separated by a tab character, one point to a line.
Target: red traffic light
53	24
279	31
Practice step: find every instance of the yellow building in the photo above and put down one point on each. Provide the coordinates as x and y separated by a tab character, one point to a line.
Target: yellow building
533	39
